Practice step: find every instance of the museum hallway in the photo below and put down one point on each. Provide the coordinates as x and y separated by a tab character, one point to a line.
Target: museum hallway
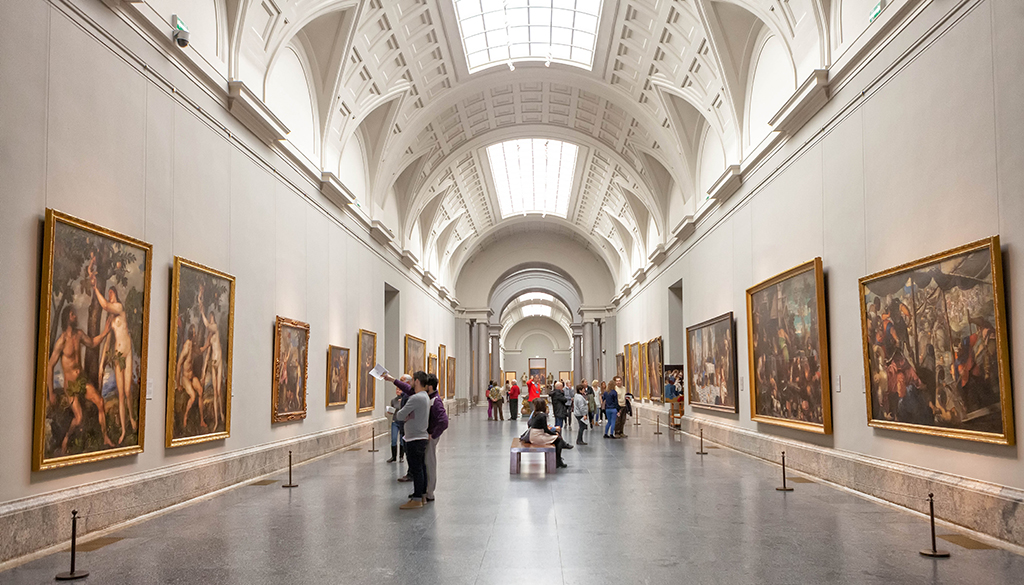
642	510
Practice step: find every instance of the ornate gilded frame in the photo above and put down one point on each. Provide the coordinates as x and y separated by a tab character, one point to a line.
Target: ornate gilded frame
275	416
825	427
363	376
645	373
169	439
732	354
635	386
451	378
327	386
656	378
39	460
442	364
422	351
1007	437
432	364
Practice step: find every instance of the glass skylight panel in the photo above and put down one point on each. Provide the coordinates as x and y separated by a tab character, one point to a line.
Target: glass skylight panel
536	311
536	296
533	175
496	31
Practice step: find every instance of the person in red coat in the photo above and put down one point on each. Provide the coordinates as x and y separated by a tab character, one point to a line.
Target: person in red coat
513	401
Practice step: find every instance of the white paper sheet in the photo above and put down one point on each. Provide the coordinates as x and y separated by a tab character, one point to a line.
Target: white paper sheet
378	372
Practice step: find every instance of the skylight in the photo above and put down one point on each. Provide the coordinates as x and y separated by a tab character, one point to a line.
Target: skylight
504	31
536	296
533	175
536	311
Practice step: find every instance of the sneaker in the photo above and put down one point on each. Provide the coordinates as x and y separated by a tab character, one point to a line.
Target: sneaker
392	460
412	504
582	443
405	478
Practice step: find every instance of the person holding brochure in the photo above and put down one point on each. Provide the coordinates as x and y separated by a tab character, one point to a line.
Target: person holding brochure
416	416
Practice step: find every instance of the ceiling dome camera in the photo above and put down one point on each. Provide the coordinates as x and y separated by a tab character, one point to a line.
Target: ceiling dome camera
181	37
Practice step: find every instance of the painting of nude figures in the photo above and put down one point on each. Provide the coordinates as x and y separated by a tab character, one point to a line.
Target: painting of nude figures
199	360
935	346
93	334
442	375
655	370
366	384
337	375
450	382
415	354
291	360
788	350
711	364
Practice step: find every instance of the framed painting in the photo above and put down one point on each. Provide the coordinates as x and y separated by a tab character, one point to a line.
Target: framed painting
291	362
711	360
510	377
634	370
366	385
566	377
415	354
93	336
935	346
199	359
442	378
538	371
675	385
337	375
788	349
655	370
432	364
620	365
645	373
450	383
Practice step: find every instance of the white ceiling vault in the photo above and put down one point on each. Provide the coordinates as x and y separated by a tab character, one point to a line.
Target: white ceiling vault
673	105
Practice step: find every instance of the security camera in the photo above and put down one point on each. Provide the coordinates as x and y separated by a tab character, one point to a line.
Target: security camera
181	37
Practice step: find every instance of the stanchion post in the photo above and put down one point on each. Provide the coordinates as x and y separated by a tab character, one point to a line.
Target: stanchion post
73	573
373	441
934	553
702	451
290	484
784	487
658	431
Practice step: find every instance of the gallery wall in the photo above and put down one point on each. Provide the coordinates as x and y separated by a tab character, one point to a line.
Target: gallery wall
930	158
91	133
536	337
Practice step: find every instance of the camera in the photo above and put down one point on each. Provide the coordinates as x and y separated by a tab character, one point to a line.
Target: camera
181	37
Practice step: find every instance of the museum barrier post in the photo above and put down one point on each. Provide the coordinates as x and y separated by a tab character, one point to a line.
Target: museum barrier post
658	428
702	451
372	449
290	484
934	553
784	488
73	574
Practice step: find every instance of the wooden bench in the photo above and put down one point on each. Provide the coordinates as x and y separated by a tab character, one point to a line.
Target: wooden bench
675	416
519	447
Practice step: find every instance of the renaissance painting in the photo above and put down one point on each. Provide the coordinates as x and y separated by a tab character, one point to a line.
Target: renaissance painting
655	369
711	357
620	365
450	383
93	335
539	372
415	354
337	375
199	360
675	376
432	364
366	385
935	346
633	370
644	373
442	378
510	377
291	360
789	350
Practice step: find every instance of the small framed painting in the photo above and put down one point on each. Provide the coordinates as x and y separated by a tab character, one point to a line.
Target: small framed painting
337	375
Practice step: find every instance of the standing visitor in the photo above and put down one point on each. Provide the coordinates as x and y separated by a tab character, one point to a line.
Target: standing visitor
620	422
490	403
570	393
404	385
513	401
592	399
416	415
580	410
559	404
541	434
498	398
396	427
438	424
610	400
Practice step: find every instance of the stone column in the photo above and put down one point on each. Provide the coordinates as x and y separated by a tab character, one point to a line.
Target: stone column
577	352
482	363
495	334
588	351
474	388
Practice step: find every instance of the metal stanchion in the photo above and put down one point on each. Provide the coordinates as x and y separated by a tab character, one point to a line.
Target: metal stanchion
934	553
75	574
658	432
784	488
290	484
373	443
702	451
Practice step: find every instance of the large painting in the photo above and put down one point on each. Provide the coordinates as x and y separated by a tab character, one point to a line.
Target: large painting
199	360
337	375
539	371
432	364
366	385
415	355
789	350
675	385
291	360
711	357
93	335
645	373
442	377
566	378
655	369
620	365
633	372
935	346
450	383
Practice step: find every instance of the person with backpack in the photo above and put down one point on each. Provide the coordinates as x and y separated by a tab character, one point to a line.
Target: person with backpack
437	425
559	404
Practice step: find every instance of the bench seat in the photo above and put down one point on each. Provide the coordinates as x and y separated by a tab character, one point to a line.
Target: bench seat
519	447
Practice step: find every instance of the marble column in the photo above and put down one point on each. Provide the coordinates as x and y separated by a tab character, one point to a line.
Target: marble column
577	352
495	334
588	352
482	361
474	382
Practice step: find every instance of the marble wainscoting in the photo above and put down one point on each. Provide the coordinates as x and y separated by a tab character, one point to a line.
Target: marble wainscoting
987	508
39	522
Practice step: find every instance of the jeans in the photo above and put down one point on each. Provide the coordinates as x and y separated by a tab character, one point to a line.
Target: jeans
583	426
559	422
611	414
430	463
417	451
513	408
395	434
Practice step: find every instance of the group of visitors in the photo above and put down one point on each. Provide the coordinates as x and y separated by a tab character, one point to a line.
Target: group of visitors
418	419
510	392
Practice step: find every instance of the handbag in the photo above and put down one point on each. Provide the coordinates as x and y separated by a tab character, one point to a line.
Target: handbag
525	437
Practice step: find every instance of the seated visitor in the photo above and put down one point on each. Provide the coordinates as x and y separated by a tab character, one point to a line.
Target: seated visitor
541	434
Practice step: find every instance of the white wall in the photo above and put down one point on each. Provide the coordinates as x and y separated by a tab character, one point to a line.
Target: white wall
86	133
537	337
932	160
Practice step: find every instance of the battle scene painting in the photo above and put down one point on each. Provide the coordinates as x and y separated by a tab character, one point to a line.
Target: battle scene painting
711	355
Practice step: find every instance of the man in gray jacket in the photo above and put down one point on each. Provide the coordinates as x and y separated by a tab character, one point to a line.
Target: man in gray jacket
416	415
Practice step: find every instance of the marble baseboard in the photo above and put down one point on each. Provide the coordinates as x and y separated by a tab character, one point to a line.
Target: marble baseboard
38	522
987	508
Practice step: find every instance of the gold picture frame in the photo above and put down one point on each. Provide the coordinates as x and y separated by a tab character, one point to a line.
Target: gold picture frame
635	370
645	373
366	385
510	376
965	355
197	279
337	376
566	376
656	370
289	386
78	255
451	378
432	364
709	343
415	354
780	294
442	374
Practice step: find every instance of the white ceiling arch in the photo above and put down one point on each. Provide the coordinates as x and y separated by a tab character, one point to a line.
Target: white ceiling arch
535	278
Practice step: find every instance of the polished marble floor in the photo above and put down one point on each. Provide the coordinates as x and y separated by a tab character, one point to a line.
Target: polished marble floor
642	510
